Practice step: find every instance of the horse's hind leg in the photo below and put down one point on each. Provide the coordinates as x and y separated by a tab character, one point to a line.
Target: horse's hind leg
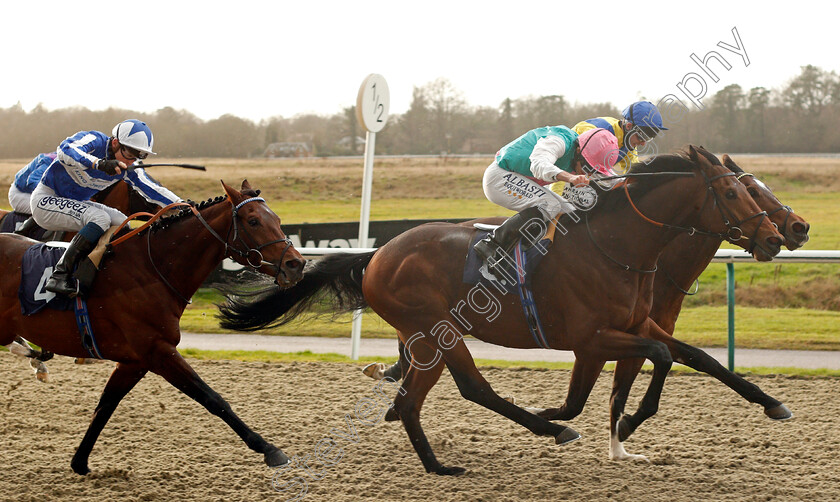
36	357
418	381
172	367
475	388
122	380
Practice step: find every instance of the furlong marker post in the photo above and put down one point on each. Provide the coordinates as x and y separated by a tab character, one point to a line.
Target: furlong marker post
372	105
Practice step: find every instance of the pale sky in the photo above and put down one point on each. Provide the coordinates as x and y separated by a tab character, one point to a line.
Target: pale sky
258	59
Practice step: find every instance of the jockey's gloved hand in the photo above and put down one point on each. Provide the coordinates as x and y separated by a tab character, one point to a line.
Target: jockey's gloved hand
108	166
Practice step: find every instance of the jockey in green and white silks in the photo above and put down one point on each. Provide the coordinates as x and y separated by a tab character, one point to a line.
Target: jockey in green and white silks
518	177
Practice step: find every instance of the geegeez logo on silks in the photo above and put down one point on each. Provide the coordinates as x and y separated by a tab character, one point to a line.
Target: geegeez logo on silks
521	188
62	204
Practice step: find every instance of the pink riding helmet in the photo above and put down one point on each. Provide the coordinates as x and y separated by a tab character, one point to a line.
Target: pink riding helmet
599	148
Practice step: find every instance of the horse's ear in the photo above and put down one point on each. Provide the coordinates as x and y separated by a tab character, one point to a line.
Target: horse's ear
731	165
232	194
692	153
245	186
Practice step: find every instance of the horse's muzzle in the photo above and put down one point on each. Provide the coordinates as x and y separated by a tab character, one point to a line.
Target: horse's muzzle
289	272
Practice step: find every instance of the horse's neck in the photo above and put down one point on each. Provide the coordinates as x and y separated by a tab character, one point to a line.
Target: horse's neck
680	264
635	240
687	256
187	252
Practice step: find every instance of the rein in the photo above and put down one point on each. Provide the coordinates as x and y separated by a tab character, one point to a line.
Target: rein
734	232
251	255
681	290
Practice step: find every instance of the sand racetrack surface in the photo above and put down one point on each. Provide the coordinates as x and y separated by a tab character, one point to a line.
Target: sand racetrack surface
706	443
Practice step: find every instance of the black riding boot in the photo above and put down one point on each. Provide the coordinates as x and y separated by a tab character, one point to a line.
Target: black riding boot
505	237
27	227
62	280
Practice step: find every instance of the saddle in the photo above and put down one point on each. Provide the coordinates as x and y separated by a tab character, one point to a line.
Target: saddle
36	267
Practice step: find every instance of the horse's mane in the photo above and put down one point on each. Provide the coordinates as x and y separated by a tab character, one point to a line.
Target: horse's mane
615	199
167	221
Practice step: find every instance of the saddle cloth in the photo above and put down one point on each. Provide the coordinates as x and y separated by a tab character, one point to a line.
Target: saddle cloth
475	270
35	268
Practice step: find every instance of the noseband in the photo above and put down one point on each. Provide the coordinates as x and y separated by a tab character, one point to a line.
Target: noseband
252	255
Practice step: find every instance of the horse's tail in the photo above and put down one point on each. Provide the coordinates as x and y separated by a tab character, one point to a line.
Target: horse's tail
335	278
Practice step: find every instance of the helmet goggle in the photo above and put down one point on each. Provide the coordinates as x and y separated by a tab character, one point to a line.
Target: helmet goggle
132	154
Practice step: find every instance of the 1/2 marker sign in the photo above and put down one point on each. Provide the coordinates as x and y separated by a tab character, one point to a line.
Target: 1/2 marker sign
373	102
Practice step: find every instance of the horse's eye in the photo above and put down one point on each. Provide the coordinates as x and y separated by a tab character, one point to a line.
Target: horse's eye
254	222
730	194
753	192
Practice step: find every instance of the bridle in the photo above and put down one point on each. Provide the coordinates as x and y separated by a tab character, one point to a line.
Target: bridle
782	207
250	253
733	231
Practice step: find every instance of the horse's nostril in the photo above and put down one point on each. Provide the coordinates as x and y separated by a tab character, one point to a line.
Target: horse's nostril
800	228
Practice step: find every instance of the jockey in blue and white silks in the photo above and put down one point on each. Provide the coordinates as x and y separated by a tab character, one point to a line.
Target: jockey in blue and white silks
87	163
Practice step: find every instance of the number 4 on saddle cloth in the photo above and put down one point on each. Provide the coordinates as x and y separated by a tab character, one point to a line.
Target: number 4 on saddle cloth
37	266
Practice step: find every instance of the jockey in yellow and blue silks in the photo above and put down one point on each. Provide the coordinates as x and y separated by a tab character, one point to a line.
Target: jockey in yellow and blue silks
639	123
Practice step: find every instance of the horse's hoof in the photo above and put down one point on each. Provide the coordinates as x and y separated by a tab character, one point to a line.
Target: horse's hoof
43	376
375	371
391	415
450	471
567	436
80	468
780	412
275	457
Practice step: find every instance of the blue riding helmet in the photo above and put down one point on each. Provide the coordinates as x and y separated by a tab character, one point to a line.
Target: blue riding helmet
135	134
645	118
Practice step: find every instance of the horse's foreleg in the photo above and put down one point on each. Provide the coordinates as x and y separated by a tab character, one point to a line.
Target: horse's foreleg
171	366
626	371
610	344
122	380
418	381
585	373
695	358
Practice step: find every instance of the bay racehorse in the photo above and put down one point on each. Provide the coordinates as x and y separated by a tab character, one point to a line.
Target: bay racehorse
140	293
593	289
679	267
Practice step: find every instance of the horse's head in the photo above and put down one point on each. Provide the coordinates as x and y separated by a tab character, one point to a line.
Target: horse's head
793	227
732	211
256	239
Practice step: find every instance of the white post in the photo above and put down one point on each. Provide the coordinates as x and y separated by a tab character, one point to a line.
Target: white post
372	105
364	224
